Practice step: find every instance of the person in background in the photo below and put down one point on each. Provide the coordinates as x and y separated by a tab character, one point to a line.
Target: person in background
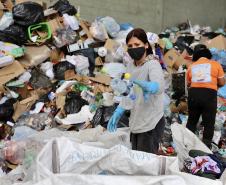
146	120
204	77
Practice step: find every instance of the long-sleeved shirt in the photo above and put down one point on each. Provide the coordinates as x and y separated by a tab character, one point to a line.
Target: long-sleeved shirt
145	114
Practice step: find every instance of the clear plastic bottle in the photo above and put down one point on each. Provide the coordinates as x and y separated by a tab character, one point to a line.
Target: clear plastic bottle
123	86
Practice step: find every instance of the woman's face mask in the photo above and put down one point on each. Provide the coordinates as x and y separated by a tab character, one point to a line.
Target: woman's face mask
136	48
136	53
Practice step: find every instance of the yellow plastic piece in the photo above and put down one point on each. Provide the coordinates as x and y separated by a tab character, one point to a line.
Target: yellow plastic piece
127	76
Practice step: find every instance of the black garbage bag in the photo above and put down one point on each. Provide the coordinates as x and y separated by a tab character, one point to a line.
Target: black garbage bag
91	55
183	26
74	103
63	6
164	35
28	13
178	85
7	110
15	34
211	35
60	68
103	115
183	42
39	80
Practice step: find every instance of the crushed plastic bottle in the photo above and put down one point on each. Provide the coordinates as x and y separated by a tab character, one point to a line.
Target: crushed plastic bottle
123	86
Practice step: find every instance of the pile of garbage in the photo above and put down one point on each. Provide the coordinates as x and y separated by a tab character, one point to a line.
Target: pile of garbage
62	76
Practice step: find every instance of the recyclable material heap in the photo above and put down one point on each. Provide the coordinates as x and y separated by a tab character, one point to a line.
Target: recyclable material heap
62	76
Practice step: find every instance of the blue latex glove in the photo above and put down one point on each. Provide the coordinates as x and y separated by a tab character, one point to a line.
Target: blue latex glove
113	122
147	87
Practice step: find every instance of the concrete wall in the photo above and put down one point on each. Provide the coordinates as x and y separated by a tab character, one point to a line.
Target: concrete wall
155	15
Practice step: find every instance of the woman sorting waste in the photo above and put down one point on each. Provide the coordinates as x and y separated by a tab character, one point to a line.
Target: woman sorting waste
146	121
204	77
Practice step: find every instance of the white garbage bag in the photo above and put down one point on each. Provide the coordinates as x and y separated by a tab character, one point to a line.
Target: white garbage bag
70	179
64	156
185	141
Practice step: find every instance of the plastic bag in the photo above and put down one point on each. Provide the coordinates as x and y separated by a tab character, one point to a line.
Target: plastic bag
115	55
71	21
220	56
14	34
115	70
6	20
88	52
36	121
222	91
23	132
21	152
39	80
103	115
166	101
64	37
74	103
80	62
98	31
28	13
178	85
7	110
63	7
11	49
6	60
126	26
153	38
47	68
82	159
185	141
183	42
102	179
111	26
80	119
60	68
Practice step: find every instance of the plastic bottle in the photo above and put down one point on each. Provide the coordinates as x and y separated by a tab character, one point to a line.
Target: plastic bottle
123	86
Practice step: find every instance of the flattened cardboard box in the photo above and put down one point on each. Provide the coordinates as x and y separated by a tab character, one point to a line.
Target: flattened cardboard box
171	57
23	106
2	8
181	61
218	42
10	72
84	26
55	24
103	79
2	89
35	55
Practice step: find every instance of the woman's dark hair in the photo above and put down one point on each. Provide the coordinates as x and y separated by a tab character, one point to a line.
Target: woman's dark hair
201	50
141	35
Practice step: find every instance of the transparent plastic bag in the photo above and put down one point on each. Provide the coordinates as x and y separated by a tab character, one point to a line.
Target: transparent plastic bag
111	26
20	152
36	121
71	21
64	37
6	20
98	31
